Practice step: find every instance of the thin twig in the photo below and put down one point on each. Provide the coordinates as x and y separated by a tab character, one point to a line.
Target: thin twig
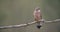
16	26
22	25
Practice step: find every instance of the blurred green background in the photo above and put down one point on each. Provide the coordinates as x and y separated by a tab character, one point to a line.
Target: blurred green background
51	11
14	12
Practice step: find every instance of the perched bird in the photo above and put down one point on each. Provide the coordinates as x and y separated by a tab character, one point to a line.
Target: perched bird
37	16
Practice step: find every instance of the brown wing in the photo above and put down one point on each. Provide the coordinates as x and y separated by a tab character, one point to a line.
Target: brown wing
37	15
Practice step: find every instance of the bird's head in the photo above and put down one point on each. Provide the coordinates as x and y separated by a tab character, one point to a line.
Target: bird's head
37	8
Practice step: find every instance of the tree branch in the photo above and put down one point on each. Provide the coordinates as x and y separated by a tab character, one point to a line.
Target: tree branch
22	25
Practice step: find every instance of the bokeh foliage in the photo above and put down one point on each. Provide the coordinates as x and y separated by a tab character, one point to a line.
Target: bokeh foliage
51	11
17	12
21	11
